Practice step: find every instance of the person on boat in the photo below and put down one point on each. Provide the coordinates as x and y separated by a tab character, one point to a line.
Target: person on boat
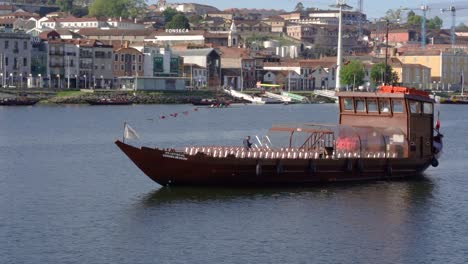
246	143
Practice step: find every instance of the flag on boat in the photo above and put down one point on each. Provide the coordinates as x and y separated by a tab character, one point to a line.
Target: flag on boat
130	133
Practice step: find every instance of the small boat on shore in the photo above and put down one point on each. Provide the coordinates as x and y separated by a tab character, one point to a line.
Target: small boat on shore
211	102
18	101
388	134
455	99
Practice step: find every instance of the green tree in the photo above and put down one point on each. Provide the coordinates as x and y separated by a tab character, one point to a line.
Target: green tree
195	19
462	27
435	23
393	15
352	74
178	21
116	8
168	14
377	74
65	5
79	11
299	7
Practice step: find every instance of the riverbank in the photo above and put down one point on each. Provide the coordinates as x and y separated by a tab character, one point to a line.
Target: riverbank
136	97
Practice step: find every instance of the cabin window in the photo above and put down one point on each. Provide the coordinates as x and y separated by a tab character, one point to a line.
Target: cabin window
397	106
371	105
384	105
360	105
415	107
348	104
428	108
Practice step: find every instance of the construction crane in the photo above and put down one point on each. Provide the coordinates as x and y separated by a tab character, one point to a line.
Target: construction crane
424	9
453	10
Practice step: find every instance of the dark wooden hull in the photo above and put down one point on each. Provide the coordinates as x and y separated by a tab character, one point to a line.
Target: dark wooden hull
177	168
19	102
454	102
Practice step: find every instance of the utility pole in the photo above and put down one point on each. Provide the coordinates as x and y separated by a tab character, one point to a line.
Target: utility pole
386	52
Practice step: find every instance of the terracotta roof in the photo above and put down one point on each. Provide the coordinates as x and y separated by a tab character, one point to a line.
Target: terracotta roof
80	19
189	33
6	7
115	32
7	20
228	52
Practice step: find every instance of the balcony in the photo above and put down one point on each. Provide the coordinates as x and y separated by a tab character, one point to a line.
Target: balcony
56	53
56	65
86	55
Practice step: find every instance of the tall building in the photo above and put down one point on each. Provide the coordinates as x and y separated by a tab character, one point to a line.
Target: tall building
15	58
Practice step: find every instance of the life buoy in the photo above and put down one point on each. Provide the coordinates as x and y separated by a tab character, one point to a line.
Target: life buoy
434	162
258	169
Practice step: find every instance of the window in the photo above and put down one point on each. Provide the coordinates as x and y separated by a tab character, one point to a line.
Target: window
139	67
6	61
360	105
348	104
372	106
122	57
116	57
25	62
140	58
121	67
133	57
428	108
415	107
103	67
25	45
397	106
133	67
384	105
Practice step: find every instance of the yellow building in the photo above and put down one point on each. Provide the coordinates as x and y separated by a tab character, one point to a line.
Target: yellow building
412	74
446	67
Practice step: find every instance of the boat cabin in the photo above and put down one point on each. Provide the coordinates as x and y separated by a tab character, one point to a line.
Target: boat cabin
398	108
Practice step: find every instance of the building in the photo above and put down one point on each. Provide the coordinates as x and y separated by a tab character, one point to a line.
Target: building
116	36
447	67
411	75
63	62
96	60
208	59
238	68
77	23
15	58
160	61
303	74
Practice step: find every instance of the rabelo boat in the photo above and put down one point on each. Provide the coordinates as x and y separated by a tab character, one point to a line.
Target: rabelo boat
386	134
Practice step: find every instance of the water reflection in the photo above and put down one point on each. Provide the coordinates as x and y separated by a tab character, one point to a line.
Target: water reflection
413	190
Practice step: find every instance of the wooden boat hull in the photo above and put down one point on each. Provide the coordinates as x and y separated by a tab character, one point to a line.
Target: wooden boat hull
169	167
21	102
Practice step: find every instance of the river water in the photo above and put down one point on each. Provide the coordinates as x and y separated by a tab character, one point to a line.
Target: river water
68	195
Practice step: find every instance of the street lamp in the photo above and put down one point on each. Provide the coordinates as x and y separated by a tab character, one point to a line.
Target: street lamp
40	80
59	83
11	78
339	60
3	83
21	80
85	80
102	82
76	81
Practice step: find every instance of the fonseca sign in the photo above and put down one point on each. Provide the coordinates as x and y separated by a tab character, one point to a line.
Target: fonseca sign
177	30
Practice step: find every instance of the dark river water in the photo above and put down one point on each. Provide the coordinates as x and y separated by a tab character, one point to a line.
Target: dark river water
68	195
